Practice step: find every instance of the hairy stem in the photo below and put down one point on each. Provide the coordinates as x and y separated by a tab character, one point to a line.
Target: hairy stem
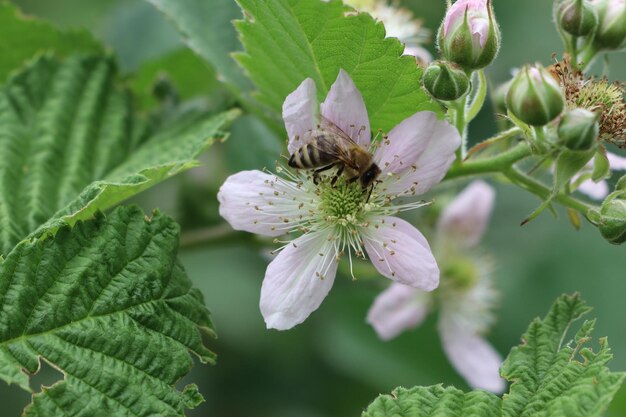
542	191
460	124
494	164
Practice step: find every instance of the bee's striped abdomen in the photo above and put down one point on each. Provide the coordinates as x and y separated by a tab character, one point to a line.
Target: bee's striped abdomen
308	156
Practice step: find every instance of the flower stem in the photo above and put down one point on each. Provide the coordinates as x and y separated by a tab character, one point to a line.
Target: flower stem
494	164
574	52
542	191
460	124
587	55
512	132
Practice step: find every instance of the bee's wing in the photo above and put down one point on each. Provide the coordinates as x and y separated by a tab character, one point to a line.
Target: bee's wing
332	141
336	130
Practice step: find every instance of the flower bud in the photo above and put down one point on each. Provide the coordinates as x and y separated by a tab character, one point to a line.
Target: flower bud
577	17
611	33
469	35
579	129
535	96
445	80
612	220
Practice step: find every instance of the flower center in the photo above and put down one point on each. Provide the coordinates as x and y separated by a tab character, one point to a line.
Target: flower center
342	203
461	273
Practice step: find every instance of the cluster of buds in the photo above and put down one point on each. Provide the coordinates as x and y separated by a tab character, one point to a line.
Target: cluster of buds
468	40
600	23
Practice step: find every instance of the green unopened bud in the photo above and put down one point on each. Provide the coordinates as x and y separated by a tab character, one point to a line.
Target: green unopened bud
577	17
579	129
612	220
469	34
445	81
535	96
611	32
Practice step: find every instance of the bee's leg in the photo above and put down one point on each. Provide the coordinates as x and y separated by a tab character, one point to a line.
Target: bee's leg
370	193
351	180
337	174
316	176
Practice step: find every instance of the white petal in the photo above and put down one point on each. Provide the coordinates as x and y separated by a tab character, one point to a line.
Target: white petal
472	356
616	162
595	190
298	280
300	113
465	219
417	154
400	252
257	202
397	309
344	106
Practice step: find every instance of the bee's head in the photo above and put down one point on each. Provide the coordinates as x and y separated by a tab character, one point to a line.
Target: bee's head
370	175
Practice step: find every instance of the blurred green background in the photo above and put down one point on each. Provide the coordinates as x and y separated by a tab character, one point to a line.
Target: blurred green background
333	364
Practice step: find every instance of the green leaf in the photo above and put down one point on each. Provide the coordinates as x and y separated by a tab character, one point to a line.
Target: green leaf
108	304
73	145
601	166
554	377
21	37
434	401
206	27
551	377
189	75
568	164
287	41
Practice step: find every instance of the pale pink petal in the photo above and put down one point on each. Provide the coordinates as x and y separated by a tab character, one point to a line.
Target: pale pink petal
616	162
595	190
256	202
472	356
456	14
422	55
397	309
480	31
344	106
465	219
298	280
300	113
400	252
417	154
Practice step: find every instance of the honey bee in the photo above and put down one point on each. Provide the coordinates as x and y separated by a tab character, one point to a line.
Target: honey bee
327	147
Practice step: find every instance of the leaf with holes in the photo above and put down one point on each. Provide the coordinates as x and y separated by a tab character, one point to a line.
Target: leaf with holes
554	376
73	145
287	41
108	304
550	377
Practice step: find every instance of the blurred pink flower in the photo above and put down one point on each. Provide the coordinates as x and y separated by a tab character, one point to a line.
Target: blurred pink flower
332	220
464	307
